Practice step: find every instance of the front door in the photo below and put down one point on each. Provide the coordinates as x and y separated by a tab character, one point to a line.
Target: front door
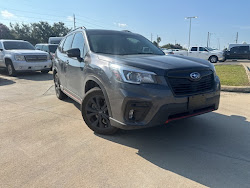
203	53
76	67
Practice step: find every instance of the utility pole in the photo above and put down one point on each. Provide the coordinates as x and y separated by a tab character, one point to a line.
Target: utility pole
237	38
151	37
190	19
74	21
218	42
208	38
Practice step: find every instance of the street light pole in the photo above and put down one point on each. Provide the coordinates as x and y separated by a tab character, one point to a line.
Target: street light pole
190	22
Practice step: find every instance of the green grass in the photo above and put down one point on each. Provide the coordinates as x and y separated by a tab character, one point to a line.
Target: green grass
232	75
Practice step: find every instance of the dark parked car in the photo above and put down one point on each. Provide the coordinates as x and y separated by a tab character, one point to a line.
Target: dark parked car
238	52
124	81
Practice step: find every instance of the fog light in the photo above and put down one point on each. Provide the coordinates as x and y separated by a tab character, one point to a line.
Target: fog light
131	114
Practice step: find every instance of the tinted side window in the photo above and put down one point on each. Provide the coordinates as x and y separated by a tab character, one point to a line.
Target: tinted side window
61	45
67	44
78	42
194	49
244	49
235	49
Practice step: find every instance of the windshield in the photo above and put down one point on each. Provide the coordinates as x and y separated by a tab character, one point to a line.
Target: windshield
18	45
119	43
209	49
52	48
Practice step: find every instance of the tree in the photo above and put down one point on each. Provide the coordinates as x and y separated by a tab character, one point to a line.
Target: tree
172	46
5	32
155	43
38	32
59	29
21	32
158	40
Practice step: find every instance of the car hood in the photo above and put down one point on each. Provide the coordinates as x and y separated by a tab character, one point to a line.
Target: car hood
28	52
160	64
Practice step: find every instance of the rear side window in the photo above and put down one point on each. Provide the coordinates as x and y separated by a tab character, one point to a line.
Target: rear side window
194	49
244	49
61	45
78	42
67	44
235	49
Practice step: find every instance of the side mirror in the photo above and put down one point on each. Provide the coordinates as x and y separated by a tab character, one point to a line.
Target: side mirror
1	49
74	52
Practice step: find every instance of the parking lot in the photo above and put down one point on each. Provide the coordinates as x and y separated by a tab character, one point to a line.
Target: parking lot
45	143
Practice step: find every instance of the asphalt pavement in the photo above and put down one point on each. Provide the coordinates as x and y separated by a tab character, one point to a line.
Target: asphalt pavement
45	143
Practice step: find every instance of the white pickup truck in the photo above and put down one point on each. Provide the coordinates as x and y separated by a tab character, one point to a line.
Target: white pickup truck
203	53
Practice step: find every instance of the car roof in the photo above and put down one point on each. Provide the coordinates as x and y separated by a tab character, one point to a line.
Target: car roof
103	31
3	40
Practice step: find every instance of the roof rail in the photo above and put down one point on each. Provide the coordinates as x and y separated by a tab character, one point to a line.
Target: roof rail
82	27
127	31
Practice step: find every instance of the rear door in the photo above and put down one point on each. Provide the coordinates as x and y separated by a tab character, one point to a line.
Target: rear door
76	67
62	59
243	52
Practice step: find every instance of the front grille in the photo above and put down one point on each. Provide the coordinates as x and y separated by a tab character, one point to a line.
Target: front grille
186	86
35	58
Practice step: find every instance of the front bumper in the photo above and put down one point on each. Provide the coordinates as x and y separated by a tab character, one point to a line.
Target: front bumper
32	66
159	104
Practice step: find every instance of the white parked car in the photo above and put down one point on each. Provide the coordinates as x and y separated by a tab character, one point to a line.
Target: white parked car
19	55
203	53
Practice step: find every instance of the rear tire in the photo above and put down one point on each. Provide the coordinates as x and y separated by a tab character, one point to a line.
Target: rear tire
213	59
10	68
95	112
60	95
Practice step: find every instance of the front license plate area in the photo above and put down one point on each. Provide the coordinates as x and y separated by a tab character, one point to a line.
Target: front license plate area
196	102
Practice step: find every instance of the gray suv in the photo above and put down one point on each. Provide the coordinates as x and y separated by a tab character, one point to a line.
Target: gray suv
123	81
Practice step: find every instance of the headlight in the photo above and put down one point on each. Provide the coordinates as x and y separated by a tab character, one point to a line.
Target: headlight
132	75
19	57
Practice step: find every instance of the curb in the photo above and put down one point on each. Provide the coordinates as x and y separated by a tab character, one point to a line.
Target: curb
241	89
247	68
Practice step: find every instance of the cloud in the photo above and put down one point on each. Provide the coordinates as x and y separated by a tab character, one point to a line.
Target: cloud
70	18
121	24
7	14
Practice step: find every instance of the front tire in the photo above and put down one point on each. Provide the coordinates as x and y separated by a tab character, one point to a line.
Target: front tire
95	112
213	59
10	68
60	95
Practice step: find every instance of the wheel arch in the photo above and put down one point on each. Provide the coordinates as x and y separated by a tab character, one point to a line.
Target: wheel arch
91	82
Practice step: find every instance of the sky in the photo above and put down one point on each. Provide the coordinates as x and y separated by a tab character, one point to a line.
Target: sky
164	18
